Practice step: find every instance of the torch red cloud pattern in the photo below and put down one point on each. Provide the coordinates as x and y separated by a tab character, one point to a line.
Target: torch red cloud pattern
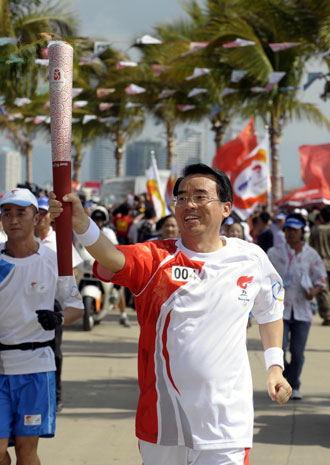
60	83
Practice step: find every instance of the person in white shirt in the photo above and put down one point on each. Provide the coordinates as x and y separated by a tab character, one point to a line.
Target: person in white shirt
47	236
29	284
277	229
304	275
193	296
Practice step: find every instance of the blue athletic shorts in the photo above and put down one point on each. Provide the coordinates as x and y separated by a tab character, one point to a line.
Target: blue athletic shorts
27	405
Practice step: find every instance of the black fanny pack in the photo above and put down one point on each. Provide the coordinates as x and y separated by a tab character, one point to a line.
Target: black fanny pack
26	345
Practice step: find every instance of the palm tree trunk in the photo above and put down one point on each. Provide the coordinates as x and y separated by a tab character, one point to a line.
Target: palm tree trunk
170	143
119	161
28	160
5	20
219	127
119	152
275	139
219	132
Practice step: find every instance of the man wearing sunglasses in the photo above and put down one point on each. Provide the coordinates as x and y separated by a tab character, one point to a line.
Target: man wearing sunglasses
193	297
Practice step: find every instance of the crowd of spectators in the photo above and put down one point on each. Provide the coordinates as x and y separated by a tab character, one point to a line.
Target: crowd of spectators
304	265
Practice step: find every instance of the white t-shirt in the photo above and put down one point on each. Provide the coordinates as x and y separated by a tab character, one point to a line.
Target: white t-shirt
294	269
111	235
26	285
3	236
193	308
50	241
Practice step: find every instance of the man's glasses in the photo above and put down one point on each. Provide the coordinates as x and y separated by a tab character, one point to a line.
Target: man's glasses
198	200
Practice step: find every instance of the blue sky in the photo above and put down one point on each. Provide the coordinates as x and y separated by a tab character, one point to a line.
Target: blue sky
121	21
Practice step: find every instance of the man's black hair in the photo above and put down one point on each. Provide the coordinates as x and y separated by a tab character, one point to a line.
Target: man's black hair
224	188
265	217
149	212
123	209
98	215
325	214
162	220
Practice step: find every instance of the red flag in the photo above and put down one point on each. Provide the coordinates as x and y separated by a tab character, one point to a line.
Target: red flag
315	165
232	154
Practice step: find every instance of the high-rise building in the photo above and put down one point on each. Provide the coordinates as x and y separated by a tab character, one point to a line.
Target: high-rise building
138	157
190	148
101	161
10	169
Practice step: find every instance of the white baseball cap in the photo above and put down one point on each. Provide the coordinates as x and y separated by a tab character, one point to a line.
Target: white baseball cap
19	196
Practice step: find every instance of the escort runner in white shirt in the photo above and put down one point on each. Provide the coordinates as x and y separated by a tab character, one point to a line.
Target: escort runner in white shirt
29	284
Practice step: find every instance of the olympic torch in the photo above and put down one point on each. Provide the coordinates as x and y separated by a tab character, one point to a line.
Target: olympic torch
60	85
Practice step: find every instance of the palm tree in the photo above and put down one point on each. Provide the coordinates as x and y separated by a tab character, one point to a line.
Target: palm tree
125	118
176	38
178	64
264	22
20	77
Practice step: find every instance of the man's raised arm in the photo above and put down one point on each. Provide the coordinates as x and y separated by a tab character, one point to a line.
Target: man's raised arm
88	233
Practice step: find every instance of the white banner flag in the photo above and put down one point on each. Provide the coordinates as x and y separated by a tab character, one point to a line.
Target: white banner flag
154	189
251	181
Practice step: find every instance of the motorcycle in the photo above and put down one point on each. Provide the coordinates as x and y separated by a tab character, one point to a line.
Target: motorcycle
99	297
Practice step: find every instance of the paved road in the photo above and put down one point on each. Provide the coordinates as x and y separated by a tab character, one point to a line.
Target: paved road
96	426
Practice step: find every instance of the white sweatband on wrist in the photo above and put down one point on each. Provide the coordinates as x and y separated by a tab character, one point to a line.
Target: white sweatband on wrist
90	236
274	356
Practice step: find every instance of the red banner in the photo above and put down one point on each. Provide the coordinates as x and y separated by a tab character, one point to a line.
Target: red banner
306	197
315	165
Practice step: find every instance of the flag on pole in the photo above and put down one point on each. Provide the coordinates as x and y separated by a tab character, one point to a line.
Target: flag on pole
229	156
170	185
154	189
251	181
